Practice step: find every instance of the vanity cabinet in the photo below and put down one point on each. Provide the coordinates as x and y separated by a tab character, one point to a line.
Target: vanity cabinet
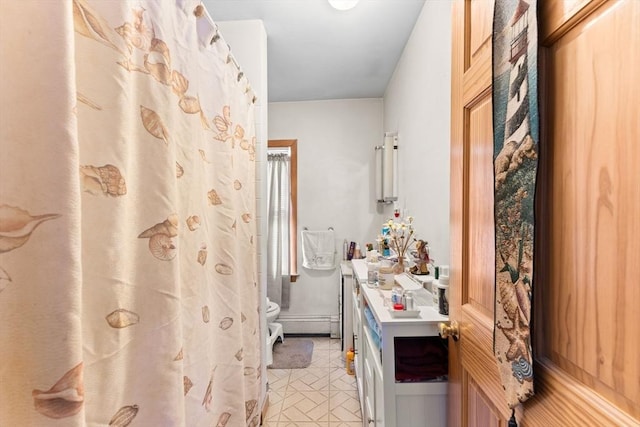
400	363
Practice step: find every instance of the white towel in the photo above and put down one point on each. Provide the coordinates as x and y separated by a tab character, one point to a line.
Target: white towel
318	250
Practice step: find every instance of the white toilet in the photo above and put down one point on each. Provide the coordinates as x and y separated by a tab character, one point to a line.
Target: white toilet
274	329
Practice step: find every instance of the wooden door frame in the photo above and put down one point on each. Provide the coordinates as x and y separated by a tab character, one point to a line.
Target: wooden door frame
457	210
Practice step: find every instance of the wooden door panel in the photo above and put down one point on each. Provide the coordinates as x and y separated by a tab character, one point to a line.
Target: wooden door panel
595	202
477	80
587	205
481	244
481	411
480	24
477	54
476	352
477	306
558	15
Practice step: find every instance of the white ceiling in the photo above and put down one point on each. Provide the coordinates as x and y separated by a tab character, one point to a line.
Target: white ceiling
315	52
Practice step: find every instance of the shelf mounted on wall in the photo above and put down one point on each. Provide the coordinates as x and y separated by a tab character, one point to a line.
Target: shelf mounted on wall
387	169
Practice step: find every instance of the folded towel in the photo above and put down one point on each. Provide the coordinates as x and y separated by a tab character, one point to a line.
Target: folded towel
318	250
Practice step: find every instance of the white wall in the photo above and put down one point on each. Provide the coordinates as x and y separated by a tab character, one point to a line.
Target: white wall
335	189
417	105
336	157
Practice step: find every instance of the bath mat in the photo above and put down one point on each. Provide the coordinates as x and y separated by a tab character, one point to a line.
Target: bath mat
293	353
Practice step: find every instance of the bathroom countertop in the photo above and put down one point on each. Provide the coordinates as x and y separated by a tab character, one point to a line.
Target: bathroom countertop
379	300
345	268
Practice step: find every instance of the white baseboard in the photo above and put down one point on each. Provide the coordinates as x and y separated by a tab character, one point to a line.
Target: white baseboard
310	324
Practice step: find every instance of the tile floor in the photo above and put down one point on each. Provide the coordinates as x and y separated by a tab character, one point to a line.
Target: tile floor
320	395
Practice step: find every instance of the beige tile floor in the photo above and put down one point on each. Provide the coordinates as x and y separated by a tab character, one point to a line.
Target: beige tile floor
320	395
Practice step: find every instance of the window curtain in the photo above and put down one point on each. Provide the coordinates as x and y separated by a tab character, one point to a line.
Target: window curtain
278	235
128	278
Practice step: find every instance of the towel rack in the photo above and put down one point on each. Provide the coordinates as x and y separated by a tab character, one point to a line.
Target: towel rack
307	228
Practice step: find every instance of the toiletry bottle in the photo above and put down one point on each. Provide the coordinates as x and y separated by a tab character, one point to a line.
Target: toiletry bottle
372	272
443	298
442	290
357	254
349	361
434	292
409	303
396	294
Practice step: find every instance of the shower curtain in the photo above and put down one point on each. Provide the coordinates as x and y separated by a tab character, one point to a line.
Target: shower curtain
278	235
128	290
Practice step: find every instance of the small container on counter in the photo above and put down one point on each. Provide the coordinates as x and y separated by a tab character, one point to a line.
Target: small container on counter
397	294
443	300
409	303
441	289
386	278
372	272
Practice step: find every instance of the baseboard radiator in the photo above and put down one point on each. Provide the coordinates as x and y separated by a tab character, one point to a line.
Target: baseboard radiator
310	324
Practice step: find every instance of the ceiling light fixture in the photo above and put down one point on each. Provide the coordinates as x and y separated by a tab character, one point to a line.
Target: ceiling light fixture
343	4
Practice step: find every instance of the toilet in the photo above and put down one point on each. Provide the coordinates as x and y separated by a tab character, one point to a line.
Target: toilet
274	329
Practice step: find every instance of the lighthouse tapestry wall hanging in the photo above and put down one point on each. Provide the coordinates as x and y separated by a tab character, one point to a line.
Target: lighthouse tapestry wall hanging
515	133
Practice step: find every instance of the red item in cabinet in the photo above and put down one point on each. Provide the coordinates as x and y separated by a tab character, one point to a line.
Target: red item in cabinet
420	359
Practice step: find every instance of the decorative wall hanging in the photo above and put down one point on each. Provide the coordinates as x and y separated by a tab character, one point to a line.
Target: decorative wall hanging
515	130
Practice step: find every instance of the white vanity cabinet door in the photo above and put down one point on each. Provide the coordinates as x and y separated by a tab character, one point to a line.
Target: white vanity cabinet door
373	383
379	399
368	392
357	342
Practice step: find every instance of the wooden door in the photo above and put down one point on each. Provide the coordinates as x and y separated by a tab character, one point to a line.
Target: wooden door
586	322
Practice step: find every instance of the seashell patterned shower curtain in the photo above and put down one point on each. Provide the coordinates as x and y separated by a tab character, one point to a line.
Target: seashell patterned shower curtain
128	288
